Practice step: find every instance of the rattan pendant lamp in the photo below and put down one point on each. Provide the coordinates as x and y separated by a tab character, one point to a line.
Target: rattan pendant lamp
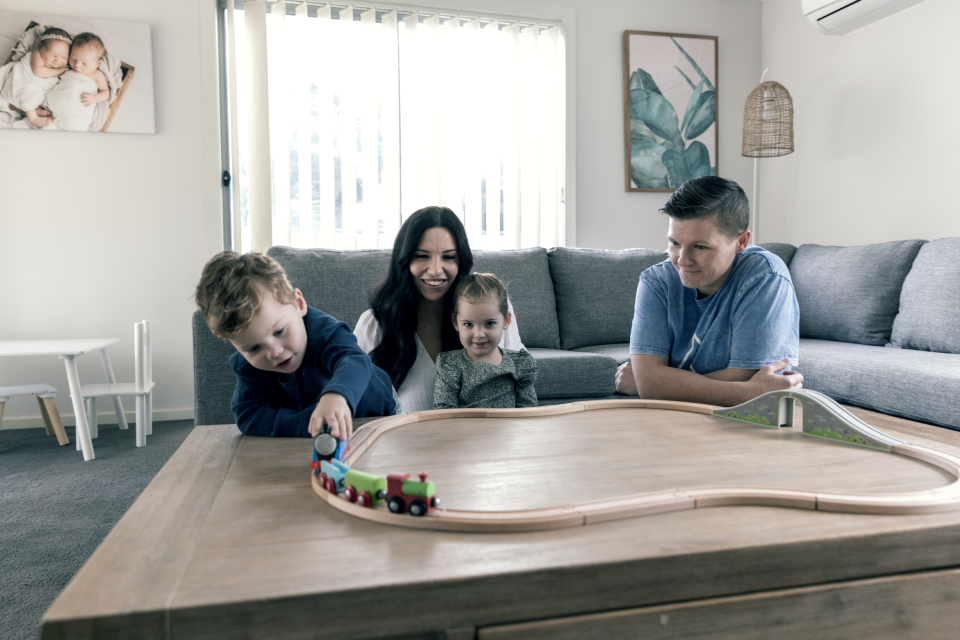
767	131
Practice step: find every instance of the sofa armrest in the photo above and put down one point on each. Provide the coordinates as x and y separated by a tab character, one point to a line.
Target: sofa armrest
213	380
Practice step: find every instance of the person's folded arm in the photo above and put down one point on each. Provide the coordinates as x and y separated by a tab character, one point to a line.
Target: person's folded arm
656	380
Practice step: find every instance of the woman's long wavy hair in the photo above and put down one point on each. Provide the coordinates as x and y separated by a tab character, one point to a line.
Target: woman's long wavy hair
395	299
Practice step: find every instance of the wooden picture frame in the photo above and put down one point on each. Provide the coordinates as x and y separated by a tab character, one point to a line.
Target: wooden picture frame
670	108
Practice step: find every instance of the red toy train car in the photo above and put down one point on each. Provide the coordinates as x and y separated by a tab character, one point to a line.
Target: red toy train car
404	494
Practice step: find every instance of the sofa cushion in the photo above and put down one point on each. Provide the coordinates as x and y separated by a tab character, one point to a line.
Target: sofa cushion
527	276
916	385
930	300
569	374
851	294
782	250
619	351
596	290
213	379
336	282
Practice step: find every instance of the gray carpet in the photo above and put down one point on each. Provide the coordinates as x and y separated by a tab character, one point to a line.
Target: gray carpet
55	509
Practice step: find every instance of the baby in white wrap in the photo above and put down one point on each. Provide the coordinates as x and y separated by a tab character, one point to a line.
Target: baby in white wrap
26	82
72	100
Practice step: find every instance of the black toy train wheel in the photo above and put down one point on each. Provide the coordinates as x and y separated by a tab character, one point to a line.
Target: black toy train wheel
418	508
395	504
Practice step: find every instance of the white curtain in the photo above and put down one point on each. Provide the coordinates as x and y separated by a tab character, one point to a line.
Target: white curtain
373	114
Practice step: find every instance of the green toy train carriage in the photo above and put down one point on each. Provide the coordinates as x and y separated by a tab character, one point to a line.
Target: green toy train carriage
364	488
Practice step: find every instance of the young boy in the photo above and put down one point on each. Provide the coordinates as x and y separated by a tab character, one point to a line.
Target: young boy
297	367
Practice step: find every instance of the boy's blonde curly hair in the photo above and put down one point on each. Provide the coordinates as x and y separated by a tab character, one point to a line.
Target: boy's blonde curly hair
231	290
478	286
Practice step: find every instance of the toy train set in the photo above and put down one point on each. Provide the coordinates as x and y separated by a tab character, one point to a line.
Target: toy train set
366	489
354	492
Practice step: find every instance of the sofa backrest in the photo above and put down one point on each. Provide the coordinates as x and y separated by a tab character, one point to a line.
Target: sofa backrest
336	282
595	291
527	276
930	300
851	294
340	283
782	250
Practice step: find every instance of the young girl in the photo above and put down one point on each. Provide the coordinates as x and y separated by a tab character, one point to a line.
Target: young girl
26	82
482	375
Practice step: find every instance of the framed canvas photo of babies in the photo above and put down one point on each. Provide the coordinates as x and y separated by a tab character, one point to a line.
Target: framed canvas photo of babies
61	73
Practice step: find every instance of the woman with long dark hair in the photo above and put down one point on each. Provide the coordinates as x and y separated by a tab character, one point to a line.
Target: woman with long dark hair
410	319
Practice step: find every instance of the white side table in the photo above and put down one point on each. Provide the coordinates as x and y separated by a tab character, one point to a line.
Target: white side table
67	350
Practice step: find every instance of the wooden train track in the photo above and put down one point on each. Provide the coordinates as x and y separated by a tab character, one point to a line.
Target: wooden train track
821	417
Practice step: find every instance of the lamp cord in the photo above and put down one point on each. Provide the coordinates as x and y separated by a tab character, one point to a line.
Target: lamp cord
753	202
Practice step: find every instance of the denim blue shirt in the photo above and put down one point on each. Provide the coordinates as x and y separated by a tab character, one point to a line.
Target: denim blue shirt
753	319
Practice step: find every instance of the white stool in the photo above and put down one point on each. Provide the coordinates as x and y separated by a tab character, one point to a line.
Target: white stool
142	387
48	408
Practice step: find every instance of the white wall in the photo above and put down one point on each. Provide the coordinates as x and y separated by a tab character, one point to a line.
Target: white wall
876	128
608	217
100	231
123	229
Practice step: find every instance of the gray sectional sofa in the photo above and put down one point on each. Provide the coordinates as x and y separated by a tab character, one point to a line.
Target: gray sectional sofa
877	323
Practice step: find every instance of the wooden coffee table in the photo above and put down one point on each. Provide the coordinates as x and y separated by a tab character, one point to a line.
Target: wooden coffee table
230	541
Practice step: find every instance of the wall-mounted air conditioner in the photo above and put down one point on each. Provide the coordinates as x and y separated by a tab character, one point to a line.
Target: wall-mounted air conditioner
837	17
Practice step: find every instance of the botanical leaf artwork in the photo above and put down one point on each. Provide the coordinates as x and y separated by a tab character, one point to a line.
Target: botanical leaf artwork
664	149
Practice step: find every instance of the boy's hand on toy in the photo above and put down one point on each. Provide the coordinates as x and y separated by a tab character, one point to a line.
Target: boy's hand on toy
334	410
766	379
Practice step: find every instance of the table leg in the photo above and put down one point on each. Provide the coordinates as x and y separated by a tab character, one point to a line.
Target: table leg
112	379
83	430
50	409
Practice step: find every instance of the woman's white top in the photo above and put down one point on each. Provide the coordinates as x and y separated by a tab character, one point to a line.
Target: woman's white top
416	392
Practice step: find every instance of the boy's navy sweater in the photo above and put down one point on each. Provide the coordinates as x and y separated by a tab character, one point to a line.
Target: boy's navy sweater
263	405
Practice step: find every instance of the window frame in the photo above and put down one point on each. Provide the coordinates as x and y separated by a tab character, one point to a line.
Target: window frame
488	8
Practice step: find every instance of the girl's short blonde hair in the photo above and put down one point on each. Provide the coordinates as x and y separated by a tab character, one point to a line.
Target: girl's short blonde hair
231	290
478	286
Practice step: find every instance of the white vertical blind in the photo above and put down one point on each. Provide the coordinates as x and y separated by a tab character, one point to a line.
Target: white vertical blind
324	82
389	205
281	106
256	108
356	117
529	138
303	46
510	142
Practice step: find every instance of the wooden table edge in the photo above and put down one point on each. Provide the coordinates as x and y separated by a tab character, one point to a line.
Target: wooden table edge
68	616
64	620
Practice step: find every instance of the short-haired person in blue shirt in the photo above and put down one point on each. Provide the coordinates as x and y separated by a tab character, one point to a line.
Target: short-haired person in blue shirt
717	323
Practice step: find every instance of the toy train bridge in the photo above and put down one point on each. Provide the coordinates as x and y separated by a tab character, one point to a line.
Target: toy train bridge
822	417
